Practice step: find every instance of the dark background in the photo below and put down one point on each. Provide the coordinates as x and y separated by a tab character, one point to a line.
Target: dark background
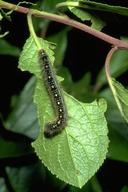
113	175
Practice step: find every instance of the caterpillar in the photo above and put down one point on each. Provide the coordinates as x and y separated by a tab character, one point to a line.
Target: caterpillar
55	93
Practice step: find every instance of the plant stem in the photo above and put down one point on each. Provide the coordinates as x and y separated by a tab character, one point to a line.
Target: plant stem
32	32
66	21
107	62
107	71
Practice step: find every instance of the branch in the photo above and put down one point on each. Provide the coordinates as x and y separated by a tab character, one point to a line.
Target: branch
111	82
67	21
107	68
107	61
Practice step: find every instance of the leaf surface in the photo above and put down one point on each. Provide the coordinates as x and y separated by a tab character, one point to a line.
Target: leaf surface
23	118
3	187
10	149
118	130
74	155
121	97
8	49
25	178
92	5
96	22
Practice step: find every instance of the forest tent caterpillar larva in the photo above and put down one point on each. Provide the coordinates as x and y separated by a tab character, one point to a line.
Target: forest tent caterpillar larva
52	86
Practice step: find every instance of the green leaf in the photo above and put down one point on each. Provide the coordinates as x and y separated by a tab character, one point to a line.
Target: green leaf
121	97
13	149
79	151
118	65
96	185
118	130
97	23
74	155
125	189
91	5
3	187
26	178
8	49
84	16
23	118
118	148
